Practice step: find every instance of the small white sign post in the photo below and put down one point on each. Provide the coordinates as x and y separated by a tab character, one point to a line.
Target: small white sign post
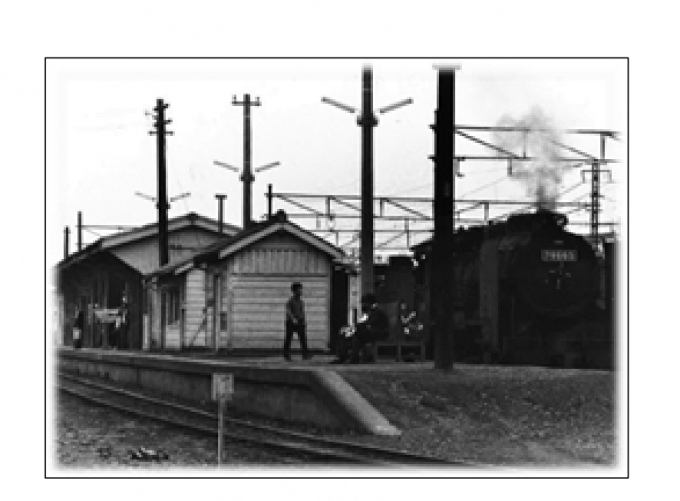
222	391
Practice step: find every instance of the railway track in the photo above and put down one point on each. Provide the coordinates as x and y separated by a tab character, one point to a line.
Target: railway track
302	447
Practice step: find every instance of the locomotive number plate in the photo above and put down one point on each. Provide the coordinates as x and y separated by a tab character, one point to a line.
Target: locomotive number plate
559	255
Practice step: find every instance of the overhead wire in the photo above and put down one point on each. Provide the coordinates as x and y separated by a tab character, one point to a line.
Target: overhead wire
492	183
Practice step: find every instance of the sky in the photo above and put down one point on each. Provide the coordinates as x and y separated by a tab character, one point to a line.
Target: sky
99	152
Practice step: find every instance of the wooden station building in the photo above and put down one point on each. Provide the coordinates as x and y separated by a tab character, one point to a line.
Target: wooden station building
100	275
232	296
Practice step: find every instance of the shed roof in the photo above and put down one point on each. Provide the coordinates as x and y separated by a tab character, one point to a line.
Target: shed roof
191	219
258	231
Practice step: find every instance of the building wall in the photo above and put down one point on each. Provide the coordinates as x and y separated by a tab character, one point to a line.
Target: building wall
196	318
256	285
154	312
100	282
143	254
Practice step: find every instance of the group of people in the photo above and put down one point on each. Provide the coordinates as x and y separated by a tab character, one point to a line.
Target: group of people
116	333
373	325
353	343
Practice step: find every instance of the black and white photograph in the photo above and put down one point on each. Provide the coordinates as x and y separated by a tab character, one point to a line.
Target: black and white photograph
336	267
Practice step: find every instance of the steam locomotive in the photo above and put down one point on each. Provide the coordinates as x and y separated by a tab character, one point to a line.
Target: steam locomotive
526	291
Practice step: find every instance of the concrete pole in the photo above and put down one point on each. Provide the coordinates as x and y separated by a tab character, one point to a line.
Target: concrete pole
441	292
367	121
247	176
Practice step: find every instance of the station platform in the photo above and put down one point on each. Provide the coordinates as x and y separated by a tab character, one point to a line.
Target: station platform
301	391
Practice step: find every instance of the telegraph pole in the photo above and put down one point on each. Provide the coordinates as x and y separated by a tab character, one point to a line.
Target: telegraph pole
220	220
441	293
80	230
246	175
162	199
367	121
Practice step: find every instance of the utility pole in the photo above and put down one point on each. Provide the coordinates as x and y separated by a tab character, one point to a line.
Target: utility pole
66	232
246	175
441	272
220	220
162	199
367	120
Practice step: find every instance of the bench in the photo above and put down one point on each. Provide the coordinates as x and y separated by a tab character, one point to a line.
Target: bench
397	351
397	342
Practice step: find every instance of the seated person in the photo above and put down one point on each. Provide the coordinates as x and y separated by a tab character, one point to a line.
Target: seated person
410	325
344	344
371	327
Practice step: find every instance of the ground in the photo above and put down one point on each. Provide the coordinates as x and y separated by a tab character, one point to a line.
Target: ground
488	415
497	415
93	437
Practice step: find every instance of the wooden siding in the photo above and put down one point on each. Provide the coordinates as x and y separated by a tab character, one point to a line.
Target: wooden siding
196	322
155	312
251	294
280	254
256	286
172	341
173	331
258	306
143	254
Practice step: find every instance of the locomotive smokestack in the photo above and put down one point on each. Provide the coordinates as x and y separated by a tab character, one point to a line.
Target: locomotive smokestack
535	137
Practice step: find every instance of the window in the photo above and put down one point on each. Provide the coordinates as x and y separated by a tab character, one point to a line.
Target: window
173	306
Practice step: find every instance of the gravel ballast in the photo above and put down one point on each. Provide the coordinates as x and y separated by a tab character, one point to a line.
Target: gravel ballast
495	415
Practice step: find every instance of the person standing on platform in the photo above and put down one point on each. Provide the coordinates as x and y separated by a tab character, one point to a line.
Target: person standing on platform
120	326
78	325
295	322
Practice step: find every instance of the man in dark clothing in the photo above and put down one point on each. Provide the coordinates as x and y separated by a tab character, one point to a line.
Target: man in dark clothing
372	326
295	322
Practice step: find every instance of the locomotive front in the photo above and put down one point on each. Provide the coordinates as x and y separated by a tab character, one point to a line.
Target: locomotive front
554	272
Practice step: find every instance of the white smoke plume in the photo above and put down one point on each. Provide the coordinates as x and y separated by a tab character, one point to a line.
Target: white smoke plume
542	176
